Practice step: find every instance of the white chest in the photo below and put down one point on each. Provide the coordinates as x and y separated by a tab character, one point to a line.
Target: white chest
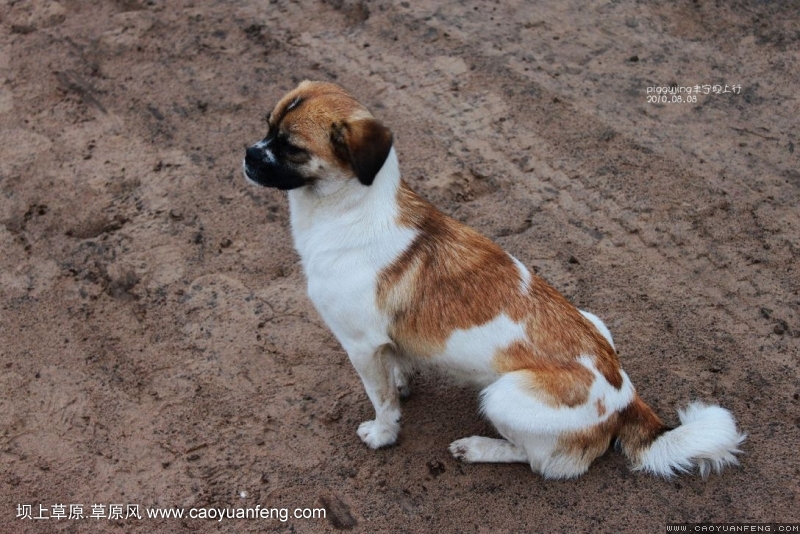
344	246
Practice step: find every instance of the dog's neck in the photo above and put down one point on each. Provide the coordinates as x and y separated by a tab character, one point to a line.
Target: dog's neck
353	206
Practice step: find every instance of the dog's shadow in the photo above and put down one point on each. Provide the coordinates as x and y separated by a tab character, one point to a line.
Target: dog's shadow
439	411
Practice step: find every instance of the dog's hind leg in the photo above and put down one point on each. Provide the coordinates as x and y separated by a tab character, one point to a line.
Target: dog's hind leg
557	439
480	449
533	426
540	451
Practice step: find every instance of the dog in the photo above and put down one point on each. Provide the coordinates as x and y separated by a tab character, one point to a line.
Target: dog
404	287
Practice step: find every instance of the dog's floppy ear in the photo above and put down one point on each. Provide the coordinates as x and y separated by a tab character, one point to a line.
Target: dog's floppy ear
364	144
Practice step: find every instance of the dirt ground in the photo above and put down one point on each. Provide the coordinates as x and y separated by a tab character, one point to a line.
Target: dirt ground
156	344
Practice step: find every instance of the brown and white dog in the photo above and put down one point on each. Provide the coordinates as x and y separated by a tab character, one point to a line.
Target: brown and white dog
403	287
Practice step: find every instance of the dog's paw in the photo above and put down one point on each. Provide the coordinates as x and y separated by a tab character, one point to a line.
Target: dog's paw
377	435
461	450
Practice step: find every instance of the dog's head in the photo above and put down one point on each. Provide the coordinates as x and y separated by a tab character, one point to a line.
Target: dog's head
318	133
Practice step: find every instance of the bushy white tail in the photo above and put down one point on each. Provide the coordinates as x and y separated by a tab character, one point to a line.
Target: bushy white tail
707	438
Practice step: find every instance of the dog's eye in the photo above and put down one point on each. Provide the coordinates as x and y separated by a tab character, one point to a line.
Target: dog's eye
295	153
291	149
292	152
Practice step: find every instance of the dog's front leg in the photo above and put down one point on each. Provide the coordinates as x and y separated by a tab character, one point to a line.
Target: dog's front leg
376	371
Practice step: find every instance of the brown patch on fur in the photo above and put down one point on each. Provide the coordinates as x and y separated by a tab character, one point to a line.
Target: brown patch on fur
452	277
584	446
564	384
558	330
607	364
556	382
639	427
601	407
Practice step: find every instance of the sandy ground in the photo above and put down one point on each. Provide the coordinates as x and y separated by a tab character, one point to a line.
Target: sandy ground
156	344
